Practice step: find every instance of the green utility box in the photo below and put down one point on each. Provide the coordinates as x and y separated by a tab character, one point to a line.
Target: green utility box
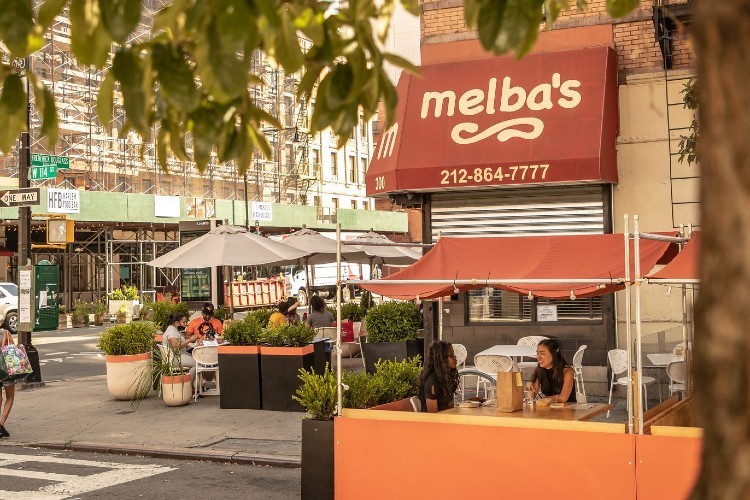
46	296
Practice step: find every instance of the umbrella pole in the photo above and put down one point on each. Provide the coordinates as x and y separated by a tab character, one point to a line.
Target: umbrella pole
629	339
340	394
638	336
440	318
231	292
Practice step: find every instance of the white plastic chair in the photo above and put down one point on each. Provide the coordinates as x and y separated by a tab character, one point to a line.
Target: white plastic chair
618	360
679	349
206	360
461	353
676	371
529	340
578	375
491	364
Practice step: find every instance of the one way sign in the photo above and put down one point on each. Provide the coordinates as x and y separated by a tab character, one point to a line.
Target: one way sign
20	197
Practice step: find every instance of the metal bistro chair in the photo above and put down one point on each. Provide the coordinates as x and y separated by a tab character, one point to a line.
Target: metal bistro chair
529	340
491	364
578	375
618	360
677	376
206	360
461	354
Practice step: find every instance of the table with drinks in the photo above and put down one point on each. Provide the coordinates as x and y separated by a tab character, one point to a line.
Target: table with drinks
568	411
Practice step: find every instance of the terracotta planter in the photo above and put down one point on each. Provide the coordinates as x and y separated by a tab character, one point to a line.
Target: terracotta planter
126	376
279	367
176	390
239	372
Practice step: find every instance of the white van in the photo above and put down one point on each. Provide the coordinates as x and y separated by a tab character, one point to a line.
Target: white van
323	277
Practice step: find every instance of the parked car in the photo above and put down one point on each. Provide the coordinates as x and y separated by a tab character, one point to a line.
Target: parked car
9	306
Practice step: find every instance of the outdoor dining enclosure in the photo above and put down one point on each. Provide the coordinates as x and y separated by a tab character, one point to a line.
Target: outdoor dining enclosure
587	459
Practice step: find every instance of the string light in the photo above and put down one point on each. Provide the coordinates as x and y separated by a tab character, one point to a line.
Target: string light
531	295
490	290
572	295
417	301
455	290
669	291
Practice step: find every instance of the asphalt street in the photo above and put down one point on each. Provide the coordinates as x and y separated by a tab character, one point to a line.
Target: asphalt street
40	474
68	353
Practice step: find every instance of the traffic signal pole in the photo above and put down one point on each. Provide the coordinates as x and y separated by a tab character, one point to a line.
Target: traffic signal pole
24	233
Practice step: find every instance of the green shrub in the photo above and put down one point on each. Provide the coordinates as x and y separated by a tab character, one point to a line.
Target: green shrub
365	301
262	316
221	313
317	393
246	331
392	322
289	335
99	307
133	338
351	310
162	312
363	392
81	310
124	293
396	380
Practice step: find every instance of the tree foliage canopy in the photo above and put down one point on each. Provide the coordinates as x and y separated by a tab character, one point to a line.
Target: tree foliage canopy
191	78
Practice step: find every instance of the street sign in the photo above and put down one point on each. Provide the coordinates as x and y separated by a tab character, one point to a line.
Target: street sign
45	166
25	197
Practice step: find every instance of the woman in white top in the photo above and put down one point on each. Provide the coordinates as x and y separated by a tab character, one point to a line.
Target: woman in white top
173	339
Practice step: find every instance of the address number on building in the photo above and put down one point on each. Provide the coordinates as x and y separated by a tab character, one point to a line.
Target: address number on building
500	174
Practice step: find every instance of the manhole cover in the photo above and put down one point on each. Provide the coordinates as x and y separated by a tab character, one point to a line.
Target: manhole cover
264	446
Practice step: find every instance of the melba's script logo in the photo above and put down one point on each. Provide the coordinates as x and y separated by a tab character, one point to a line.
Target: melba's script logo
512	99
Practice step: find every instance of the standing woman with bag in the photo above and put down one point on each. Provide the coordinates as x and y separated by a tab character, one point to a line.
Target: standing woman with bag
9	386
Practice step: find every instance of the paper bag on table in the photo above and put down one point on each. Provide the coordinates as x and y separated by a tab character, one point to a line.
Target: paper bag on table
509	391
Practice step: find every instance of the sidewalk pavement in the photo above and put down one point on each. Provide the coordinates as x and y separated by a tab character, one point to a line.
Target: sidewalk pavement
80	415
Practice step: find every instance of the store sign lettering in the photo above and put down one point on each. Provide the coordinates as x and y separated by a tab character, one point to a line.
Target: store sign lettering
511	99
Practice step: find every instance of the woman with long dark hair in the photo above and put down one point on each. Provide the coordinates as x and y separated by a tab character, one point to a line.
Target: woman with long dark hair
553	377
438	381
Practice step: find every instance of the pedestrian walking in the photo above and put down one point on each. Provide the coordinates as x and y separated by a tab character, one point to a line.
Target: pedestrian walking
10	394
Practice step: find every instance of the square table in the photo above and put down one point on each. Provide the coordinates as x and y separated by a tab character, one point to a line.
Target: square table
662	359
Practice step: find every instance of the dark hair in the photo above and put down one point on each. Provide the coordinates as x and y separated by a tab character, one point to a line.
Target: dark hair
208	309
558	364
283	307
317	303
178	316
437	363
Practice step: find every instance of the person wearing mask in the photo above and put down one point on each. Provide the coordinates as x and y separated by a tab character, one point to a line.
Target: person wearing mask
438	381
174	340
278	318
553	377
206	326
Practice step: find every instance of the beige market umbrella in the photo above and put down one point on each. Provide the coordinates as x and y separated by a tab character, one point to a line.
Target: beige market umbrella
381	250
319	249
229	246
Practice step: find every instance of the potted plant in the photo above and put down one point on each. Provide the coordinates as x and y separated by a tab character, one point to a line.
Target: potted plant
121	314
100	313
392	333
80	313
239	365
172	379
317	394
127	350
64	318
127	296
284	351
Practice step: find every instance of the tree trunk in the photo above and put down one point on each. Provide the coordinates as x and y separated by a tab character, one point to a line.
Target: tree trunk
722	350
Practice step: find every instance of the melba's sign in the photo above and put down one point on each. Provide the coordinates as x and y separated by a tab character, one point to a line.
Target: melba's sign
510	99
544	119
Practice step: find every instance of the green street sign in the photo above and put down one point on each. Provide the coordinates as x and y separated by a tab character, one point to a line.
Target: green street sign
45	166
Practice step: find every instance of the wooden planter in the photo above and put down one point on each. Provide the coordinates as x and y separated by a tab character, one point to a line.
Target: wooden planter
79	322
64	321
101	319
125	376
279	367
317	459
398	351
239	372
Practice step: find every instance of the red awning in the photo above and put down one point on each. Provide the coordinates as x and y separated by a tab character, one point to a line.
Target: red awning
4	252
575	257
684	267
547	118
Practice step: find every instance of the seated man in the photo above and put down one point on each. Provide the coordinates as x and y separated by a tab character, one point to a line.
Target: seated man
206	326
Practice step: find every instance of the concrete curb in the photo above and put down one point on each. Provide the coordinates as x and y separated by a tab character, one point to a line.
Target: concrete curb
284	461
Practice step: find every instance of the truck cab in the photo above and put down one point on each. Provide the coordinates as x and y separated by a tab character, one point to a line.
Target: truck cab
9	306
323	278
